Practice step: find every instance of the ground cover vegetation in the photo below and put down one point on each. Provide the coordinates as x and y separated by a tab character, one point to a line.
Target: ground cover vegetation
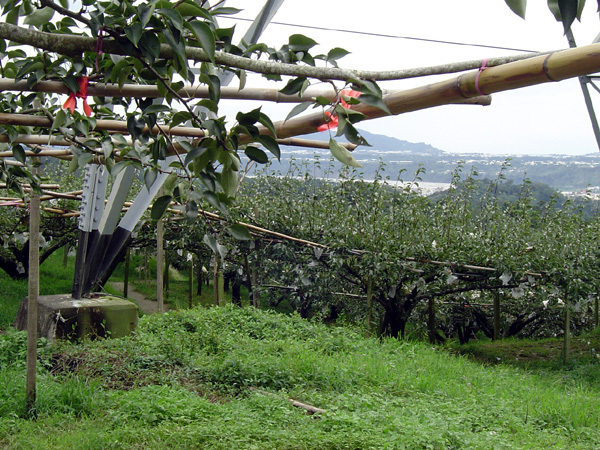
222	378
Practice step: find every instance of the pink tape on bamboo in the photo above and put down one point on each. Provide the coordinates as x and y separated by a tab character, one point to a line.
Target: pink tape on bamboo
481	69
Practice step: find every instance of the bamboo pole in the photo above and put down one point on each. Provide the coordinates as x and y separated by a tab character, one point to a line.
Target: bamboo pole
192	91
515	75
23	119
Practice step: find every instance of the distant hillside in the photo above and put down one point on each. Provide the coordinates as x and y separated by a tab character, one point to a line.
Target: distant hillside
402	159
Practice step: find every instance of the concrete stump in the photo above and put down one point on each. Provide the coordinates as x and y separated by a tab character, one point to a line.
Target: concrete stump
62	317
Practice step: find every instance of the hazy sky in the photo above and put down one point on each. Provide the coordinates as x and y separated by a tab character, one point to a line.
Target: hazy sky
549	118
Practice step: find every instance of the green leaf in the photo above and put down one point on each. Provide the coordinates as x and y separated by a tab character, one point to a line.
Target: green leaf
229	180
39	17
270	144
375	101
300	43
342	154
517	6
205	36
239	232
59	119
134	32
172	16
180	117
160	206
336	53
212	242
295	85
566	11
267	123
149	45
224	11
19	153
144	14
299	108
214	86
107	147
149	177
153	109
190	9
256	154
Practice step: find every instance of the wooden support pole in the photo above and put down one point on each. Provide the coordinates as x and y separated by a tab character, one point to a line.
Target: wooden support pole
370	305
191	282
66	249
496	316
567	335
33	288
166	275
431	320
160	265
216	280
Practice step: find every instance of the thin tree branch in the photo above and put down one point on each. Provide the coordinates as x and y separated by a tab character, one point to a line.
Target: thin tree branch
67	44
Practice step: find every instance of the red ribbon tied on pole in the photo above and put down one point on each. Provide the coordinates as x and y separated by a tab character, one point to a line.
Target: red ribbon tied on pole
332	121
71	102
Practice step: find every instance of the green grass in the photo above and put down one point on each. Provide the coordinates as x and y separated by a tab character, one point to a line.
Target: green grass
54	279
221	378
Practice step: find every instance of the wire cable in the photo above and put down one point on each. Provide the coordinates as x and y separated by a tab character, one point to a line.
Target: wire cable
391	36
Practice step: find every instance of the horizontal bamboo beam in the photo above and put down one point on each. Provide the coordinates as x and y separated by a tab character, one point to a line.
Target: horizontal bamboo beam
515	75
113	126
28	187
195	91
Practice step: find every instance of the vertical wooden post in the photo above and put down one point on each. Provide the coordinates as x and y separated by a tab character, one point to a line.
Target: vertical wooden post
254	280
66	255
216	280
496	316
199	278
126	274
431	320
33	288
370	305
567	336
166	274
191	282
160	265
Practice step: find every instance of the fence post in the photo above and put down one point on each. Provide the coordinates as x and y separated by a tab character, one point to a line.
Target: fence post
496	316
160	264
567	336
33	288
191	282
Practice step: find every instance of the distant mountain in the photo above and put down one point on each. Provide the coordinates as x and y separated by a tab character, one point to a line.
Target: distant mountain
401	160
384	143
